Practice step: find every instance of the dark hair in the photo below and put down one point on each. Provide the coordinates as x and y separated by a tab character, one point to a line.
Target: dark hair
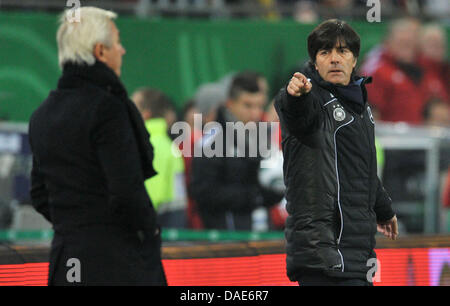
188	105
246	81
155	101
328	33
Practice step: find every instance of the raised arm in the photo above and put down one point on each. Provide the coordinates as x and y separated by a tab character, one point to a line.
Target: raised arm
299	112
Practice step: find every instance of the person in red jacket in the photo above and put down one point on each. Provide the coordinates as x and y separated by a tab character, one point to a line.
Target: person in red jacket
189	110
432	60
397	91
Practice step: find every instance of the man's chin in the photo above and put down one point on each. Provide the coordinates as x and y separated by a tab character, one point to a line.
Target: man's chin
338	81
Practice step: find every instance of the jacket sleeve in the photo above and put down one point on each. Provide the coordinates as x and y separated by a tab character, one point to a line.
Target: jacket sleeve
39	192
383	204
117	152
299	115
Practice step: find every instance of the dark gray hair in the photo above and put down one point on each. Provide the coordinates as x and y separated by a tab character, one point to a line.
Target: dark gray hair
330	32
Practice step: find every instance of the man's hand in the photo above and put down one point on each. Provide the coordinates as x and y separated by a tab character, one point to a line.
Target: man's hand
299	85
389	228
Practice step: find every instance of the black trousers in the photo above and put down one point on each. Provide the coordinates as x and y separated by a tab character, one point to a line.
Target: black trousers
319	279
105	256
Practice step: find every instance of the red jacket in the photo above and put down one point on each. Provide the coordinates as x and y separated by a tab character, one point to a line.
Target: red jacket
394	94
194	220
437	78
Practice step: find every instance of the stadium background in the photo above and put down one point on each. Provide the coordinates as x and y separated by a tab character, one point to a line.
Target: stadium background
176	55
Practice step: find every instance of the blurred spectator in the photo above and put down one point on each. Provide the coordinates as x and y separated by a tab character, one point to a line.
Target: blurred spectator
269	9
375	54
225	186
306	11
438	9
204	104
310	11
262	82
270	114
277	213
166	189
437	113
171	115
337	4
189	111
336	8
208	98
433	52
410	7
398	92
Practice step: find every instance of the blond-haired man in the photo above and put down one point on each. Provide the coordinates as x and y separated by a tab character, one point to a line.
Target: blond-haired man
91	155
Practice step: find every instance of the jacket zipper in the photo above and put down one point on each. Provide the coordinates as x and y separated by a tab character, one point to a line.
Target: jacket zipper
338	190
371	153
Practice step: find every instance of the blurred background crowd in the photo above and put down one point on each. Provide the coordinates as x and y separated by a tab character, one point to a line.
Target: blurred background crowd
305	11
410	91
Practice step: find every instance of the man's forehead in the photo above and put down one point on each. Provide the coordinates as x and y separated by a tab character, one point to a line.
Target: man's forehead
114	26
338	45
137	97
252	98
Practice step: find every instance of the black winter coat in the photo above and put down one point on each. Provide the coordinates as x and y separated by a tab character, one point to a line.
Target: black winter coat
334	197
226	189
91	154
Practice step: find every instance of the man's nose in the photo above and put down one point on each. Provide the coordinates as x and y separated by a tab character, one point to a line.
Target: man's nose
257	114
334	58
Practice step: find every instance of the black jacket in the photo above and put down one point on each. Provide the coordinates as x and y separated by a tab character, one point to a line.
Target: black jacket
226	189
91	154
334	197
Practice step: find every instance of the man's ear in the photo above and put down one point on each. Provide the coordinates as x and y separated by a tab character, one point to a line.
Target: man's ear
99	52
354	63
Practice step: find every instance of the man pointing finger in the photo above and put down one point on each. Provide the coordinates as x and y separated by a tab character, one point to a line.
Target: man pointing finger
299	85
334	198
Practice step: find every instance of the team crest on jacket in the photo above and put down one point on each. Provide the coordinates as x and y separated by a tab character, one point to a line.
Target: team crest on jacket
339	114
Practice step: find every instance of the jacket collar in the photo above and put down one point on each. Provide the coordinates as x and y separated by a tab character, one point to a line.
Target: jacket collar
101	76
98	74
355	94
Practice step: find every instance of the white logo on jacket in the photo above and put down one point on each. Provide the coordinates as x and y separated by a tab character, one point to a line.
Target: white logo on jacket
339	114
